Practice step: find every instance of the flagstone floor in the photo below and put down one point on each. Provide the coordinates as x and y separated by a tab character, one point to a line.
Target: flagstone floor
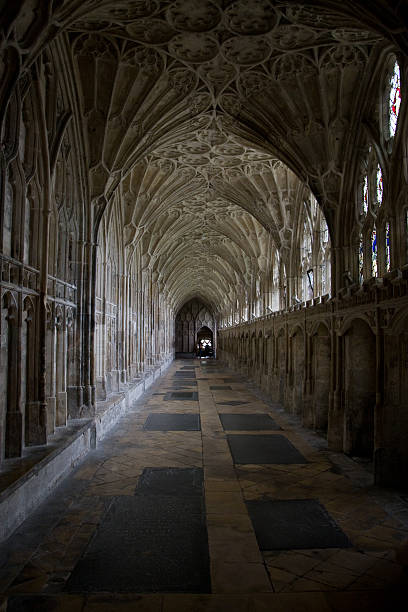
361	573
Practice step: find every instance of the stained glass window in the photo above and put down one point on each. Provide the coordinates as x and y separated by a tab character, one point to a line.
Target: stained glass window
361	258
395	99
365	195
387	248
379	185
374	257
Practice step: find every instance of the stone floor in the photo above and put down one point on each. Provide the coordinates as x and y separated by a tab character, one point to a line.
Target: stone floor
76	527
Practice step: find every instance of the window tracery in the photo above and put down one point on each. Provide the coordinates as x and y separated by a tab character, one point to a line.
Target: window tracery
314	252
373	243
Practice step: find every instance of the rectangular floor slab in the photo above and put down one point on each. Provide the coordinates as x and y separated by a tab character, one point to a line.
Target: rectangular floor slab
220	388
172	422
232	403
183	396
263	449
185	374
155	541
180	387
294	524
248	422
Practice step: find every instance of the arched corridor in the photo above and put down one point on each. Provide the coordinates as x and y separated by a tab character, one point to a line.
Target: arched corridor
216	178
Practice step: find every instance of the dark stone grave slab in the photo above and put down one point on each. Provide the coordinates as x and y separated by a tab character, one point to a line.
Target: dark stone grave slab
248	422
180	387
185	374
181	396
179	482
155	541
162	421
190	367
294	524
159	394
220	388
232	403
263	449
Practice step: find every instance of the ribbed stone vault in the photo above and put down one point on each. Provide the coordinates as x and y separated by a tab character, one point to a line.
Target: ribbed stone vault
210	120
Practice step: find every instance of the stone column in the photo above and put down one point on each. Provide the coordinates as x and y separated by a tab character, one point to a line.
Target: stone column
336	416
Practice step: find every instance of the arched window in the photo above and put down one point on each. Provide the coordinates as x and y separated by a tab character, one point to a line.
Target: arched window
276	282
324	257
306	258
372	260
394	101
315	272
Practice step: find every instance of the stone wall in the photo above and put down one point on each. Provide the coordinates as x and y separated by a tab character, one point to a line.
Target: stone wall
341	367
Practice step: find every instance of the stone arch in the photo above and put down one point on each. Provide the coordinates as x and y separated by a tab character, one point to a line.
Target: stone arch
190	318
349	321
206	334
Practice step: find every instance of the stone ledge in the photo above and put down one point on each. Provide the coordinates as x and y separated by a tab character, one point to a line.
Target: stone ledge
37	474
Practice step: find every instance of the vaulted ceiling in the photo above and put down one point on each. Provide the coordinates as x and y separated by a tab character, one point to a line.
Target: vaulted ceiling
211	119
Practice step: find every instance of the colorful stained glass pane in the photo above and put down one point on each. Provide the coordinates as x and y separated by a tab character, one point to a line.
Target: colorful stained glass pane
374	258
365	195
387	248
395	99
361	258
379	185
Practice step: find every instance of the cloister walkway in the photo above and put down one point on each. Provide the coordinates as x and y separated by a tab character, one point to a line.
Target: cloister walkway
207	497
